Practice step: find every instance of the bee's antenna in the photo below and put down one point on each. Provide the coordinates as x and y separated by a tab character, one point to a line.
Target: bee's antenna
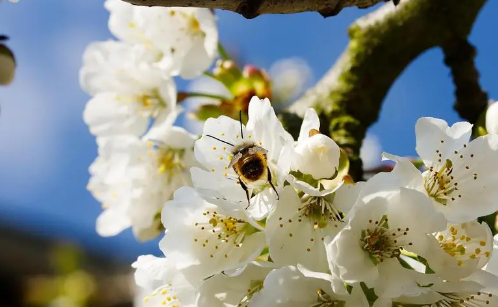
240	120
220	140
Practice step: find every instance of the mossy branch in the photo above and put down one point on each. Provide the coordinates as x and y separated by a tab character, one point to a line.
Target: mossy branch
471	101
349	97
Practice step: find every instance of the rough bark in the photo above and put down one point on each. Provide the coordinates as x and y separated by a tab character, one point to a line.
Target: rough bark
253	8
349	97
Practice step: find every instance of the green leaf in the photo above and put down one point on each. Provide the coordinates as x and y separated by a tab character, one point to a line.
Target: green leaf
428	269
369	293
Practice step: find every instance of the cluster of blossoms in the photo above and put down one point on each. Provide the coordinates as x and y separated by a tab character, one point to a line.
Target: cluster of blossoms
309	238
143	158
256	218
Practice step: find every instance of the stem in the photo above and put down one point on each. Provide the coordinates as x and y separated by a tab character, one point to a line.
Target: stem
205	95
223	53
209	74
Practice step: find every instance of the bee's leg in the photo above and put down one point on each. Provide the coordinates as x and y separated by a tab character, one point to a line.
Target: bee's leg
271	183
243	185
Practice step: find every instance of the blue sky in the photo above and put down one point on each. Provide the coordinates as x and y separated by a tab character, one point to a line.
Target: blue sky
45	148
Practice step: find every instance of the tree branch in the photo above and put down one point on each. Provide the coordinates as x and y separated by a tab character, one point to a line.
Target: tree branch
471	101
253	8
349	97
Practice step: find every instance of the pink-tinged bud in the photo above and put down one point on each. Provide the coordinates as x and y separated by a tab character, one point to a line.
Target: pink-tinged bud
348	179
251	71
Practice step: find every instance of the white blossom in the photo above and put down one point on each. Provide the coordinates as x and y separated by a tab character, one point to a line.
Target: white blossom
221	139
187	38
380	227
128	90
316	154
461	293
203	239
133	178
462	249
167	286
297	228
458	175
241	290
113	66
289	287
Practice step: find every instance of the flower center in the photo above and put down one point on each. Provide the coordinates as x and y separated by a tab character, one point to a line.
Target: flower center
381	242
151	103
320	211
325	300
478	299
460	246
223	230
165	295
169	160
194	25
439	182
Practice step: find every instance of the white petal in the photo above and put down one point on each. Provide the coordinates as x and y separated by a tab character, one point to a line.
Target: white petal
196	61
310	190
266	127
106	116
214	154
152	272
477	181
492	265
347	195
408	175
294	238
415	211
492	118
310	121
202	242
434	135
111	222
317	156
225	291
352	261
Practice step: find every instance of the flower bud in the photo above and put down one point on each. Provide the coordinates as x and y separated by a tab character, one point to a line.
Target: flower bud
492	118
317	156
7	65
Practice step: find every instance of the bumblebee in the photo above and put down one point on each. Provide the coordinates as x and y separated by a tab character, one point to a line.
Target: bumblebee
250	163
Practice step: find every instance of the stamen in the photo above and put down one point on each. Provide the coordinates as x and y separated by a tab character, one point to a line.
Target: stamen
479	299
221	230
383	243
